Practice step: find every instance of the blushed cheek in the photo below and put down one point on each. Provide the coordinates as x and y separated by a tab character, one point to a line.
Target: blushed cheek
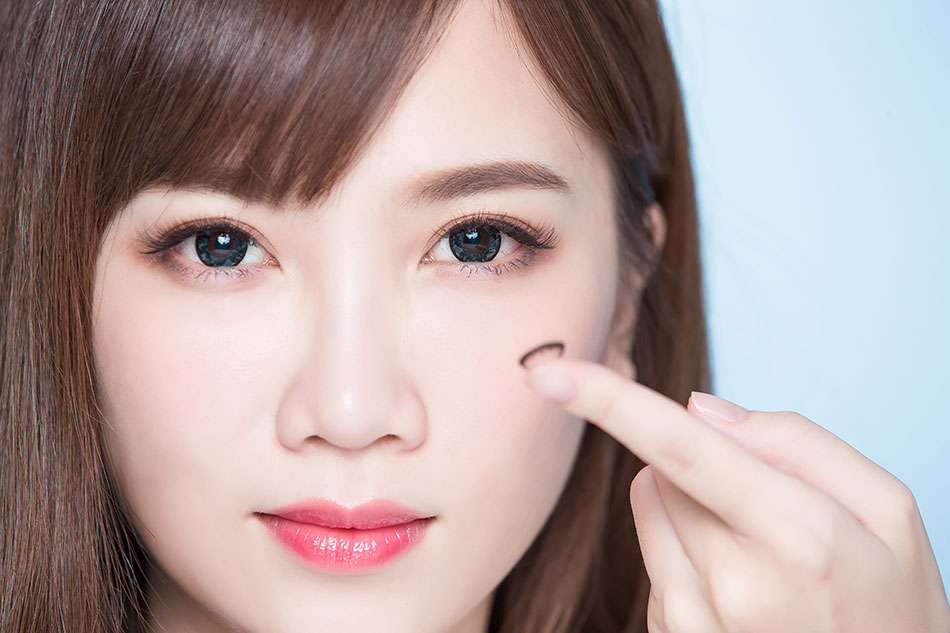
510	450
180	383
475	391
475	332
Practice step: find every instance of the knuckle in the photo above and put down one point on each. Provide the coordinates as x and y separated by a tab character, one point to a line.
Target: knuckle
904	515
609	405
793	418
790	423
750	597
902	500
677	456
791	429
683	613
812	545
796	426
735	594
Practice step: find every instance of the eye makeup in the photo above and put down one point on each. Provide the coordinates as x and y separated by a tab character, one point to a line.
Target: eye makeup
482	231
220	246
542	237
537	355
163	240
497	269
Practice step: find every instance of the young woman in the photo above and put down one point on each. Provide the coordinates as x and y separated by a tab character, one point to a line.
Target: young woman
361	316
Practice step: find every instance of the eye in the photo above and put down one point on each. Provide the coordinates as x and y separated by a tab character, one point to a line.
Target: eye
477	244
215	247
478	240
222	247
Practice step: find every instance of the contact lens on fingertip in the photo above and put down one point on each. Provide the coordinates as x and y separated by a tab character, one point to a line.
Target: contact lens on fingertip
537	355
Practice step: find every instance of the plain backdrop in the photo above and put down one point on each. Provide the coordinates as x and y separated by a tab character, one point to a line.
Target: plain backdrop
821	147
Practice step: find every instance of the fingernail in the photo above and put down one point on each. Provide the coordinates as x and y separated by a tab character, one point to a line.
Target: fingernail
717	408
551	384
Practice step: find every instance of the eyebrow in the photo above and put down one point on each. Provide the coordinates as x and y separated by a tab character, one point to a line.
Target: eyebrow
468	180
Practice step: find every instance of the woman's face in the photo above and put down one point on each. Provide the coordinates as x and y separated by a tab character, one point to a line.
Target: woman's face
350	356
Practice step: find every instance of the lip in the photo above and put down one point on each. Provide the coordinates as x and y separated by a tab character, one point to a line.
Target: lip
367	516
331	537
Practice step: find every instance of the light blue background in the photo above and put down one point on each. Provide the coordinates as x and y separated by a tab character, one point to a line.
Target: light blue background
820	145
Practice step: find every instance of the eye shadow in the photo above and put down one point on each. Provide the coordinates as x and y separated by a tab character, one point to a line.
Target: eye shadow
552	349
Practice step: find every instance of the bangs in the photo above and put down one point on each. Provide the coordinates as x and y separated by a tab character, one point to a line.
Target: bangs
260	100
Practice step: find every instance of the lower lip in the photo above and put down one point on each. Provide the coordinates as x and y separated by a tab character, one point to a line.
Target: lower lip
345	550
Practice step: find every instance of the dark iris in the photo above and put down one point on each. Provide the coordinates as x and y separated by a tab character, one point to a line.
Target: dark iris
217	247
478	244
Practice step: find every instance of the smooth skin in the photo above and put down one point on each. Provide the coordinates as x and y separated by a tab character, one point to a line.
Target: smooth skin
352	357
758	521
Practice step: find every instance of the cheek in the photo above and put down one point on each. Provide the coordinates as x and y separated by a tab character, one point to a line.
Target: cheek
177	378
475	332
511	451
191	381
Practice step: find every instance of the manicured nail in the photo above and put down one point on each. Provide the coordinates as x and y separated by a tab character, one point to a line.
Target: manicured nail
718	408
551	384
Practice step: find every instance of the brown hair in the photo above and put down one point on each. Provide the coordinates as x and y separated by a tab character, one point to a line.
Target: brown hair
101	99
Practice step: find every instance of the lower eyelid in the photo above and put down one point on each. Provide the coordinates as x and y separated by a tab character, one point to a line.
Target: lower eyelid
513	265
204	273
189	267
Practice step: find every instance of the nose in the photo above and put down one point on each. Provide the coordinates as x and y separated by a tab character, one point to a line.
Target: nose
350	389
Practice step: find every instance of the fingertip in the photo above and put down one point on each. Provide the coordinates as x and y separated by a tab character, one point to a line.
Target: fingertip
690	405
551	383
715	409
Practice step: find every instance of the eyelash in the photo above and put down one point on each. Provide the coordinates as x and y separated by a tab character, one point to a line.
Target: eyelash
533	239
159	243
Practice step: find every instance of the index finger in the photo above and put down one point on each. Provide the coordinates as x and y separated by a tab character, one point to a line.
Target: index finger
745	492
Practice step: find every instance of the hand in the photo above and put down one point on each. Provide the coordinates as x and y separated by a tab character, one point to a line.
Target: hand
771	523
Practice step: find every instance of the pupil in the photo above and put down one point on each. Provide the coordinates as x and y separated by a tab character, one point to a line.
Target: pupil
220	248
479	244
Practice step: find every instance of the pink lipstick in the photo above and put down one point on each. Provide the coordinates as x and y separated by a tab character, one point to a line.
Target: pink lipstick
340	540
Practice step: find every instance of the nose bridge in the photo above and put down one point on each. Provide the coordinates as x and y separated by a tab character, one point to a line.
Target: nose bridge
356	323
350	389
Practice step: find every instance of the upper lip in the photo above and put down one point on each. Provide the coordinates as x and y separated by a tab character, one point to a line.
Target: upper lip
366	516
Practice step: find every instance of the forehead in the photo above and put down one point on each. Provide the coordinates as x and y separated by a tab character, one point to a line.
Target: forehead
477	99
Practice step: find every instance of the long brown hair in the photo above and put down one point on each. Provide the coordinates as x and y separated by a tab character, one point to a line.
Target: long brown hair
101	99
